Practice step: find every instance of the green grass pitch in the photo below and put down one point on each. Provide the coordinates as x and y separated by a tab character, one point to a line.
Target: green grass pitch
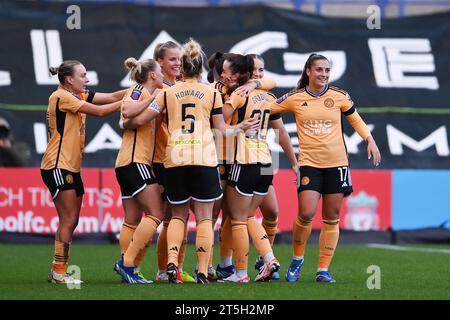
404	275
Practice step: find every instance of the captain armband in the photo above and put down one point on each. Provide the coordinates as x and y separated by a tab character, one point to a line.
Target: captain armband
155	106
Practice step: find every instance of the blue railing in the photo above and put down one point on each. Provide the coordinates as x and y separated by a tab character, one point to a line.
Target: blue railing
297	4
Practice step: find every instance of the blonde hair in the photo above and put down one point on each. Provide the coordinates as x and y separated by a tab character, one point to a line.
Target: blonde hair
192	57
139	69
64	70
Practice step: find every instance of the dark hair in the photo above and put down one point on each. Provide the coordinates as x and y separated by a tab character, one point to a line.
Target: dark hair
64	70
160	49
192	57
215	64
139	69
244	66
256	56
304	79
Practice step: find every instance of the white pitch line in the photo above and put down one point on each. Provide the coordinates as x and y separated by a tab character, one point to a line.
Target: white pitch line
400	248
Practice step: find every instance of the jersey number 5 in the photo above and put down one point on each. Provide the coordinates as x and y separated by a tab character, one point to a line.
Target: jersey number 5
187	117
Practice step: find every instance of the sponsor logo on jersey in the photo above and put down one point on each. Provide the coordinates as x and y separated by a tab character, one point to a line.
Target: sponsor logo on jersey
317	126
136	94
188	142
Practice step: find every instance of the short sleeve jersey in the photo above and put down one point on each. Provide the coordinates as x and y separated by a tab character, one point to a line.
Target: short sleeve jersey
224	145
252	148
189	106
162	134
319	125
66	130
138	144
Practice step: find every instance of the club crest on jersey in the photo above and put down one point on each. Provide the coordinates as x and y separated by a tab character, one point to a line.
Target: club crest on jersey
329	103
136	94
282	98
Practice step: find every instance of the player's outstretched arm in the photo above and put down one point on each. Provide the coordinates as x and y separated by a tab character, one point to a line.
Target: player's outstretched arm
147	115
99	110
131	108
102	98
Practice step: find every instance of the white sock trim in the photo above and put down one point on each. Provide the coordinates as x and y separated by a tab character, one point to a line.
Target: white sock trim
269	256
241	273
225	262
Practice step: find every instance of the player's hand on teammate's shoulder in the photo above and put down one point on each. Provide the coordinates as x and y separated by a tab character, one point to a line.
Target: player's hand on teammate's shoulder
246	89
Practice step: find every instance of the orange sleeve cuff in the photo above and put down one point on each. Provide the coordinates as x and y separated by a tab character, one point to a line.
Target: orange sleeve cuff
359	125
267	83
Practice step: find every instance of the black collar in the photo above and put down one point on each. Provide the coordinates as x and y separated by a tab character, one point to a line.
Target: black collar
316	95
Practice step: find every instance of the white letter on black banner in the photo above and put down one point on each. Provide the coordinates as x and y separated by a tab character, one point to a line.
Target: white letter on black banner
47	52
393	58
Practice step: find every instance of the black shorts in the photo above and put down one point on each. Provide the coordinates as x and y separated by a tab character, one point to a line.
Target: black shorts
133	178
58	180
160	174
198	183
224	170
325	180
250	179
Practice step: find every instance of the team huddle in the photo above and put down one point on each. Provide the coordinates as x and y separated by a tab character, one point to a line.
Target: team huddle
190	147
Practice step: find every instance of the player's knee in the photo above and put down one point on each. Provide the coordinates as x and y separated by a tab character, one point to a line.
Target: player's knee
159	215
239	216
270	215
330	215
306	215
134	221
69	223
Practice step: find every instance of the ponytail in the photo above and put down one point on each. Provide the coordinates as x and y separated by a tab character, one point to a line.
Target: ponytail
215	65
191	59
139	69
64	70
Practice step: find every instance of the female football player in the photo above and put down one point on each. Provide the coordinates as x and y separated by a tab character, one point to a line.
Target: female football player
61	163
323	161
